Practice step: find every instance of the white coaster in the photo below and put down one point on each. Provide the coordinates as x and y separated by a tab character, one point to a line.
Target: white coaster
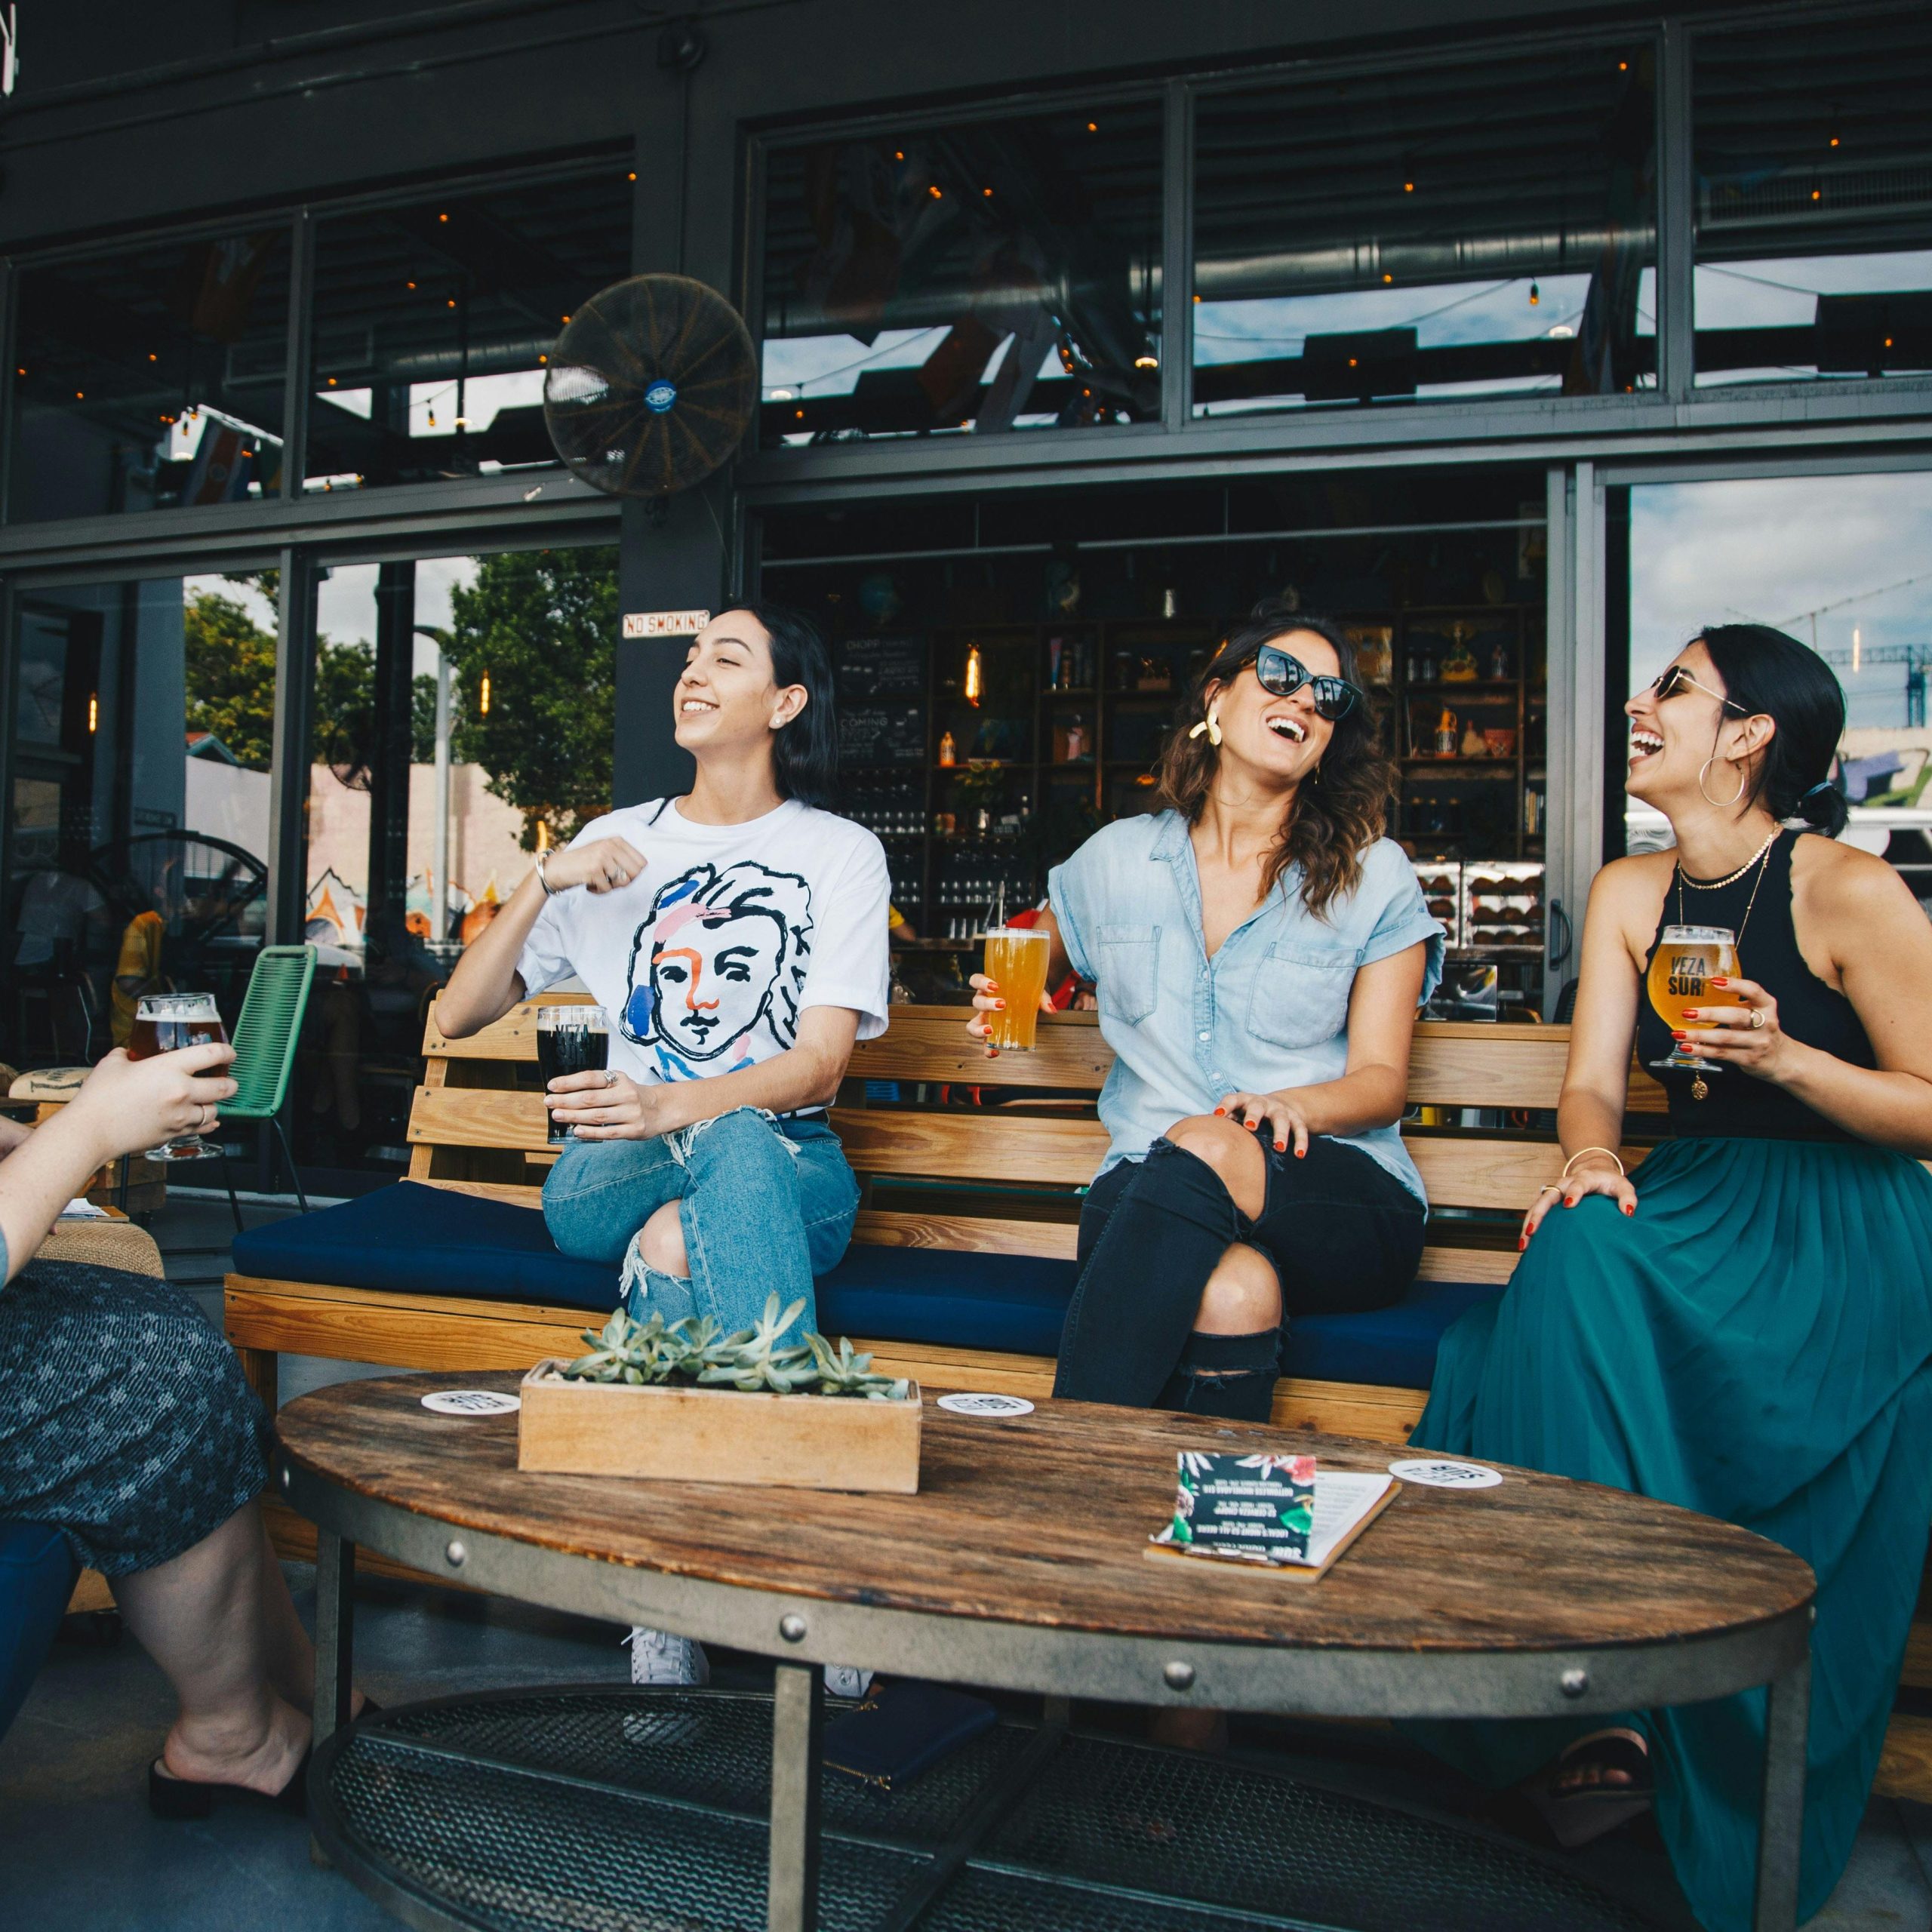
986	1405
1433	1473
472	1402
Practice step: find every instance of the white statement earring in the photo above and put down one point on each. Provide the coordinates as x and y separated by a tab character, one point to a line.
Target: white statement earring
1211	725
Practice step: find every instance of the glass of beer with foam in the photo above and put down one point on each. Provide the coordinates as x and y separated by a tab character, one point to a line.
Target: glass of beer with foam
1687	960
1017	964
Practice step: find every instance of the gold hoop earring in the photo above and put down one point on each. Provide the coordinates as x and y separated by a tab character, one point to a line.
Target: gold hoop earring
1211	725
1722	804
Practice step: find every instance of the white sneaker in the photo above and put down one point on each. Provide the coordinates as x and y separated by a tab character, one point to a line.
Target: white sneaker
658	1657
843	1680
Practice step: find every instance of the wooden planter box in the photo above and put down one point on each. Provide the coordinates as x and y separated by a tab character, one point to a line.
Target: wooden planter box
686	1434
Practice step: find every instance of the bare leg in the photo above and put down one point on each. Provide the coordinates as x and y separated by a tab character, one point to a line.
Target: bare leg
201	1617
291	1656
661	1241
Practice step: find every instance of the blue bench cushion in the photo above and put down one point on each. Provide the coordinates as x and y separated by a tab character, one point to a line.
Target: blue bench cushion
421	1240
37	1573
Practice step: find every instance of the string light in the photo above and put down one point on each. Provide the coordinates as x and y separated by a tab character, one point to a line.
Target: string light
935	193
80	395
1857	646
94	713
1093	127
1408	187
1535	295
153	356
409	284
483	697
1388	277
988	192
971	688
1146	361
442	217
632	177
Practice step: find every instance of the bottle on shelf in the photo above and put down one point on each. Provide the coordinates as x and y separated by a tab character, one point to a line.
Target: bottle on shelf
949	752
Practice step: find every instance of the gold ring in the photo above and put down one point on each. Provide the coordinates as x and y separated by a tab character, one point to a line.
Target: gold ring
1757	1020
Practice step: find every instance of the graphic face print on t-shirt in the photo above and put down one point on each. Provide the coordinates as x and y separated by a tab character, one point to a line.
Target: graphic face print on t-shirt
721	953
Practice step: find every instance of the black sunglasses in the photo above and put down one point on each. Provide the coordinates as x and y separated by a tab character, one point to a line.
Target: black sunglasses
1674	678
1282	674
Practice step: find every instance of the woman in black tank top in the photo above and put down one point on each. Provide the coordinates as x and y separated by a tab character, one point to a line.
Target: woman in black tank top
1743	1324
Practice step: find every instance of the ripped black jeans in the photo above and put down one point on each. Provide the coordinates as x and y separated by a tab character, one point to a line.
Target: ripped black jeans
1343	1233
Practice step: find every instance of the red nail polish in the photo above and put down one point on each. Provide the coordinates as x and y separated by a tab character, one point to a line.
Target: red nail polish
1719	983
1628	1209
1691	1013
1301	1153
1218	1111
1522	1243
1676	1035
1281	1147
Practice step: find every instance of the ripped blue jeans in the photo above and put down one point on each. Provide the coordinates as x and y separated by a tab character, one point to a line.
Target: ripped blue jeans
764	1204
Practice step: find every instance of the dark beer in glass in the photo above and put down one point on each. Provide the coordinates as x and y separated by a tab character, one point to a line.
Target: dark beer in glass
164	1023
570	1039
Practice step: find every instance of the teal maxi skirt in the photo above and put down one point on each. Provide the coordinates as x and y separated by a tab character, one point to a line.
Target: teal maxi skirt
1754	1343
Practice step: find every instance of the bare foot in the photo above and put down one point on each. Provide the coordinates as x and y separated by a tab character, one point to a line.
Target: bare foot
205	1751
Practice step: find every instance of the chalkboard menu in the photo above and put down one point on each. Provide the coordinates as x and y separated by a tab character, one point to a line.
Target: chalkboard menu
882	733
882	701
882	667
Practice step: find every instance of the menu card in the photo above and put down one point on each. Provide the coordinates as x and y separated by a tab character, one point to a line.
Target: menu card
1274	1510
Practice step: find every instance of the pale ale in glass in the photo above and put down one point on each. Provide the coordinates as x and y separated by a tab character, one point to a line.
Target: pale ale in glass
1017	964
1687	958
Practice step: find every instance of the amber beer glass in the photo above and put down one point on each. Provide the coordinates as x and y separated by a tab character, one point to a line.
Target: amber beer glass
1017	964
1687	960
163	1022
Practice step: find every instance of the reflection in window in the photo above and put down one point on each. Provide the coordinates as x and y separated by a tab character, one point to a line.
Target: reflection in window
999	275
1830	559
1814	201
152	379
434	323
138	833
1446	231
463	716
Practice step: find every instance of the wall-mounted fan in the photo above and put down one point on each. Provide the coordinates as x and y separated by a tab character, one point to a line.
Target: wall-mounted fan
652	385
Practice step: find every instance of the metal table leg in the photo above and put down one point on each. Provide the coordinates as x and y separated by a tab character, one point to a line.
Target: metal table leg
1781	1814
797	1709
335	1642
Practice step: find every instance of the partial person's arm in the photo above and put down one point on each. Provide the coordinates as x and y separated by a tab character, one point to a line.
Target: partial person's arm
1596	1077
122	1106
1374	1086
486	983
1882	946
599	1107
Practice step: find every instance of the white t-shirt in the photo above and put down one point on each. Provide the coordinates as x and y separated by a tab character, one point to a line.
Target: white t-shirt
705	960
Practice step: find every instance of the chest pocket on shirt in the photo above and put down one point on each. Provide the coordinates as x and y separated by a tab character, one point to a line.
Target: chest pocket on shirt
1128	963
1301	994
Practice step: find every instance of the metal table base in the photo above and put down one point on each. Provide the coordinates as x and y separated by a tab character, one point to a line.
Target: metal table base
603	1808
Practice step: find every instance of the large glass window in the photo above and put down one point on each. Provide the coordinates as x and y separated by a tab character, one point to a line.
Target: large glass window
1460	227
152	378
1828	559
995	276
137	830
463	718
1814	200
434	323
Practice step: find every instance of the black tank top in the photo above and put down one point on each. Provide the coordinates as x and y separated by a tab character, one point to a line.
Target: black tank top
1737	1104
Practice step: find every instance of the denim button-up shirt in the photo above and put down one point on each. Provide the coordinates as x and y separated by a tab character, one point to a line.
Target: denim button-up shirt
1269	1011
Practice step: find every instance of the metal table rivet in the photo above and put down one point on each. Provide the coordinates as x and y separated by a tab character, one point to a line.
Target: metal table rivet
454	1554
1179	1676
792	1627
1574	1683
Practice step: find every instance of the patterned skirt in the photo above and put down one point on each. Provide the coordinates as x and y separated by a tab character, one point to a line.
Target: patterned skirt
125	1421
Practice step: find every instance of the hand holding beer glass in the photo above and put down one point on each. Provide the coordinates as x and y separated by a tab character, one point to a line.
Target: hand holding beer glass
1687	958
163	1024
1016	958
570	1039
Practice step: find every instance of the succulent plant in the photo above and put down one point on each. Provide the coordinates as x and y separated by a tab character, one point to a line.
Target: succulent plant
753	1359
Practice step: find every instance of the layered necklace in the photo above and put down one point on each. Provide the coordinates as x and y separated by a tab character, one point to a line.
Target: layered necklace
1761	859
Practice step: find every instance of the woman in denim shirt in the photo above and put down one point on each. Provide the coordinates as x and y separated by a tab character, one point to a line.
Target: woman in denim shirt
1259	949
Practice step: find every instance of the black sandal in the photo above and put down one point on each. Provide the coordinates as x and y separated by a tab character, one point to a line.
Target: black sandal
173	1797
1582	1812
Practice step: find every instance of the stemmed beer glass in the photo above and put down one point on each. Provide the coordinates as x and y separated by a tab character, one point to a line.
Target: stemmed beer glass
163	1024
1687	960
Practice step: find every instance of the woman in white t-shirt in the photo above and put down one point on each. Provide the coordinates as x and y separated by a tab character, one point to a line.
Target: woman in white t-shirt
736	937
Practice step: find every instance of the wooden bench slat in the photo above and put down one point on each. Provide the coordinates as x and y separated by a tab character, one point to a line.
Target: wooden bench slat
930	1044
968	1147
479	1116
968	1234
1463	1170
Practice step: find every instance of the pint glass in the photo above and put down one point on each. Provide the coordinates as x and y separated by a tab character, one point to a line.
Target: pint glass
570	1039
1687	958
1017	964
163	1024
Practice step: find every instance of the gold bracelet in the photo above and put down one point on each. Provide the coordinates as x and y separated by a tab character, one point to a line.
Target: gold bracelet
1582	1151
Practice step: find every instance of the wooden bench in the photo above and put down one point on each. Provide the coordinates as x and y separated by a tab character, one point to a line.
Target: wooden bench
999	1178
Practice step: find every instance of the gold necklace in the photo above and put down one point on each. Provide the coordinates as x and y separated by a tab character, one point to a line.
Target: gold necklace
1700	1087
1729	879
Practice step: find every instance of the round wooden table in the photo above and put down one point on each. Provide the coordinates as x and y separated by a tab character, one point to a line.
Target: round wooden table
1020	1565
